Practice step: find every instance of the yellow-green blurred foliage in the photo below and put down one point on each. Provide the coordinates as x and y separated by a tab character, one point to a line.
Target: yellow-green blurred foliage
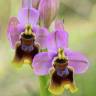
80	22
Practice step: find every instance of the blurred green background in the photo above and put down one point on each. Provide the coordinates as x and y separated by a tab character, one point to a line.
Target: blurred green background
80	21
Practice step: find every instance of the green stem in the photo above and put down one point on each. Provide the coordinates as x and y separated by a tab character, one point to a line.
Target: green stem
44	86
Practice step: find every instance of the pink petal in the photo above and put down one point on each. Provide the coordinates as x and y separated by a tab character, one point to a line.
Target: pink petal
42	37
61	38
13	31
58	39
28	16
77	61
42	62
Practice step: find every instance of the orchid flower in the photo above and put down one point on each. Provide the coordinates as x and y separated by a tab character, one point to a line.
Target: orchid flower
25	35
60	61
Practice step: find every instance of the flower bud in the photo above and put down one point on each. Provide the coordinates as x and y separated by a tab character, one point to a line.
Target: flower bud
35	3
48	10
59	25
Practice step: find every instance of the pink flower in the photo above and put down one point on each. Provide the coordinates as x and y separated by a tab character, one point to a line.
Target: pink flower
61	61
26	36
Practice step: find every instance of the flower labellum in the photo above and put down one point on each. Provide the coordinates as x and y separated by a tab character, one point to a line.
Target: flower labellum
62	75
48	10
26	48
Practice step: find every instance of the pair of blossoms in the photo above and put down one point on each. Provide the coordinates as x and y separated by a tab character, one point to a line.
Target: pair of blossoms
47	52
